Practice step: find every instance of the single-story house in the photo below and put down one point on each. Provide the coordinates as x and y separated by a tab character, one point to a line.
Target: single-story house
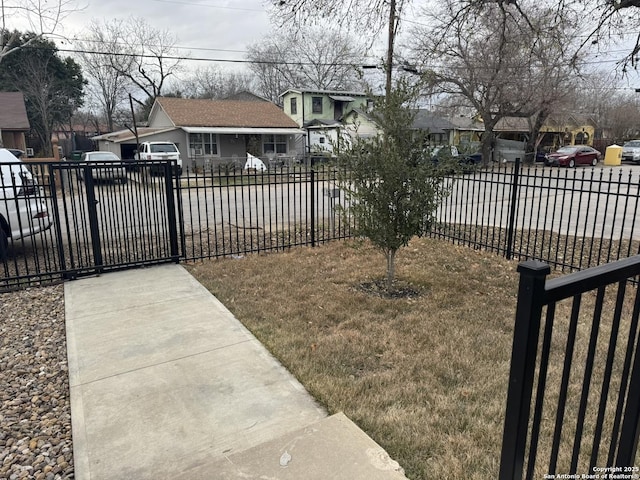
14	123
214	132
435	127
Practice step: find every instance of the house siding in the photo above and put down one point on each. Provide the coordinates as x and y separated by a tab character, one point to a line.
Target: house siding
159	118
304	103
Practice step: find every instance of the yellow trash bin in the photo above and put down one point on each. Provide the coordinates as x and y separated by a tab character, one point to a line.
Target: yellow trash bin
613	156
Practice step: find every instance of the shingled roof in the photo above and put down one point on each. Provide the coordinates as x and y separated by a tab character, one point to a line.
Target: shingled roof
185	112
13	113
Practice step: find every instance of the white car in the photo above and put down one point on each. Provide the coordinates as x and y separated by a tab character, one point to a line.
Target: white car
631	151
22	211
160	151
113	172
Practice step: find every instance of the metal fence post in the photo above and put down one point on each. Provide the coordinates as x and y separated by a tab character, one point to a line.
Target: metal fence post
631	421
512	209
313	208
531	297
171	208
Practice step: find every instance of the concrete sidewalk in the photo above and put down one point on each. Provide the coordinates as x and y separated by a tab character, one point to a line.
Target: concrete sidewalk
166	383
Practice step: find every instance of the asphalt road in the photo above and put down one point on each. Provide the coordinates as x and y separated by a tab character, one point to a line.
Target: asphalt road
585	201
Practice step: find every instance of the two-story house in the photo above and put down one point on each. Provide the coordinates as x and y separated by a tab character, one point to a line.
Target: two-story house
324	114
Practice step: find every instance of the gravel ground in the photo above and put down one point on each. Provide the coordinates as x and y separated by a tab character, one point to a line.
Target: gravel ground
35	412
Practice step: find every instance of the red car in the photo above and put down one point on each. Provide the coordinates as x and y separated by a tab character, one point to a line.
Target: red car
574	155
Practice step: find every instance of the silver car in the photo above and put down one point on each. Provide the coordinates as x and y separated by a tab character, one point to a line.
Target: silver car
22	210
631	151
112	169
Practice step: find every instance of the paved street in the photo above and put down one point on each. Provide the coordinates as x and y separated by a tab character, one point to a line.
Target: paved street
601	201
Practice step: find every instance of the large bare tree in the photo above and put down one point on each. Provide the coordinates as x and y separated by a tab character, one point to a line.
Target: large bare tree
108	86
311	57
367	17
500	62
137	51
43	18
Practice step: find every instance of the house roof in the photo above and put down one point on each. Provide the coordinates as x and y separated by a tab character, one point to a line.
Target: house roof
248	96
512	124
426	120
186	112
466	123
13	113
127	135
325	92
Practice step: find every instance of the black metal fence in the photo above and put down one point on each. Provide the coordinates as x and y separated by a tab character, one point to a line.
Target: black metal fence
573	405
100	217
570	218
233	211
106	216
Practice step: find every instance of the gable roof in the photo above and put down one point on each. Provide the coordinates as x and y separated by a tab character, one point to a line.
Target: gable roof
13	113
325	92
187	112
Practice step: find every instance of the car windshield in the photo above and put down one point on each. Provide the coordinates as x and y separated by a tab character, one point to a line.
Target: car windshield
566	150
633	144
163	147
102	157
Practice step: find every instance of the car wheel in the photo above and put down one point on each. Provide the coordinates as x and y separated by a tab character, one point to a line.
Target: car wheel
4	244
572	163
594	162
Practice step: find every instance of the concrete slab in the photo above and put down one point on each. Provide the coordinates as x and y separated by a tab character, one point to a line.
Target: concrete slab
168	381
333	448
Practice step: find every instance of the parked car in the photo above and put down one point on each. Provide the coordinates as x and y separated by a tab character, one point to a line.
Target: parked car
449	156
573	155
113	167
16	153
160	151
631	151
22	211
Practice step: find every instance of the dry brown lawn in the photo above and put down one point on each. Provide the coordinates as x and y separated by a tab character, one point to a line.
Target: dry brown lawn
424	376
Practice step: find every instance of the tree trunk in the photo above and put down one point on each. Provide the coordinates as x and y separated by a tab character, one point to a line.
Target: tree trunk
391	268
393	19
534	132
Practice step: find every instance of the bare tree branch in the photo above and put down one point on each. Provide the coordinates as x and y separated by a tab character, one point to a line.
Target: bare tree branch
44	18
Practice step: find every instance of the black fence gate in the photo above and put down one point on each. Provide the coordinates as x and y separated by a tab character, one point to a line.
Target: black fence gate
102	217
573	405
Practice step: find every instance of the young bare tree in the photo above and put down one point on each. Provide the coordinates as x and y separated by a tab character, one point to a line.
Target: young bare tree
44	18
313	58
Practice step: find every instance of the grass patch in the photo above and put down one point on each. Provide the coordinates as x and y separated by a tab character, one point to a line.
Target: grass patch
423	371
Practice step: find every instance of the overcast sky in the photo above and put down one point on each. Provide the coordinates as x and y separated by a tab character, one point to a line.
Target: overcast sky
220	29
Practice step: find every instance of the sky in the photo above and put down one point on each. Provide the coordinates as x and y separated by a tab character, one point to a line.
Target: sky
218	29
211	29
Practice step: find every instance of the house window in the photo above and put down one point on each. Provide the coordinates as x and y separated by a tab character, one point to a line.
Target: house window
316	104
274	144
294	106
203	144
